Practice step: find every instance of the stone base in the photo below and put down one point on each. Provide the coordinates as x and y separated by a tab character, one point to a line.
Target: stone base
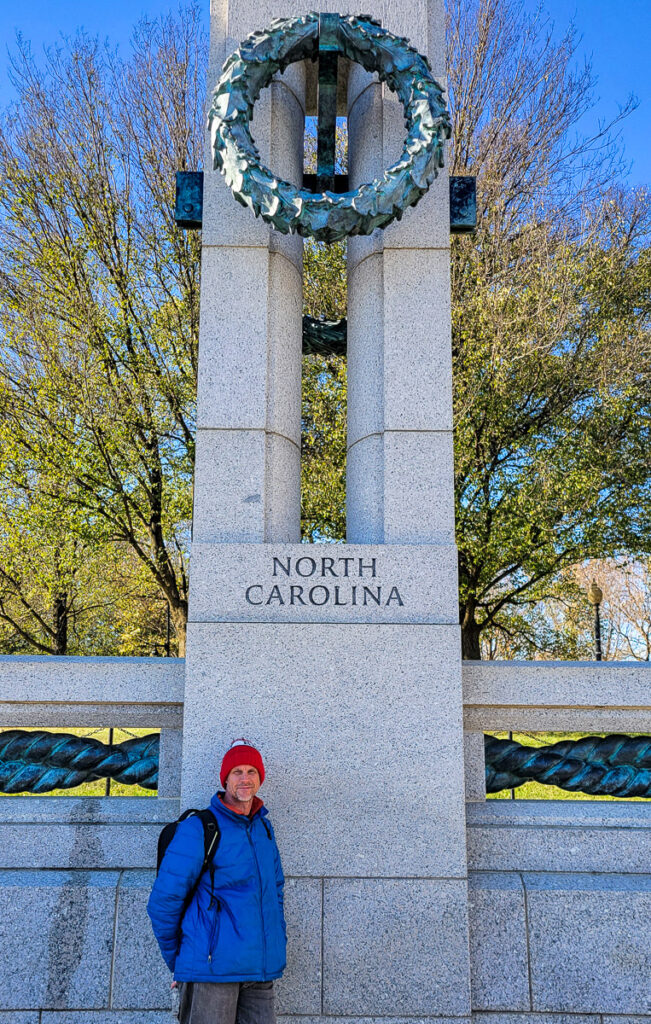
360	727
550	948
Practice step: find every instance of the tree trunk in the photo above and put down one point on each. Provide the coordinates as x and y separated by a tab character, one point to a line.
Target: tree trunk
470	632
61	623
180	620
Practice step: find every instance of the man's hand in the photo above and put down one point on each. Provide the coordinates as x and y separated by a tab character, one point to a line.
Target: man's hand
174	984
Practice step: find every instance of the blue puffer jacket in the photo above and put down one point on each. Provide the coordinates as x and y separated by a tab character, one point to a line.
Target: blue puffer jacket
242	936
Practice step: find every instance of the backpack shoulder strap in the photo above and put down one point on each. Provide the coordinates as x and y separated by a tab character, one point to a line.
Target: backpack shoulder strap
211	837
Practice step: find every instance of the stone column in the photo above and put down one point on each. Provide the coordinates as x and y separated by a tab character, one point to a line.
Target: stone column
400	464
247	475
341	662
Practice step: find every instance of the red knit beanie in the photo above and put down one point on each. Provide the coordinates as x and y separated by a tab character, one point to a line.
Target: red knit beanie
241	752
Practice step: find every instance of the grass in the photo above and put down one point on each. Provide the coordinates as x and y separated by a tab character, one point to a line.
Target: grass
99	787
538	790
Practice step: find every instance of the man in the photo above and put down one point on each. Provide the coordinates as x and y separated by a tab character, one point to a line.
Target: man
225	951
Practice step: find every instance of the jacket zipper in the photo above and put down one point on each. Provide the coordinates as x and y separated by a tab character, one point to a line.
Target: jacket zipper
264	937
211	941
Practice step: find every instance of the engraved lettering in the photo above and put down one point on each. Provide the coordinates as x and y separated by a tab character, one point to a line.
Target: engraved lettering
346	561
339	603
327	563
310	562
296	594
394	596
275	595
354	601
256	586
313	598
369	565
374	597
279	565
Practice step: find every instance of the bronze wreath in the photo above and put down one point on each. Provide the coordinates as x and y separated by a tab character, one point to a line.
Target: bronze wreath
327	217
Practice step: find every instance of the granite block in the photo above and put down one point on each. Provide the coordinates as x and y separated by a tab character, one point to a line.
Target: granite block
417	383
299	989
107	1017
590	942
233	336
225	222
626	1019
287	143
246	487
233	21
535	1018
77	845
282	514
25	1017
559	719
365	491
494	848
427	224
393	383
418	494
283	360
475	765
366	161
389	693
256	581
169	763
395	947
589	814
288	1019
558	686
141	979
229	486
499	977
88	714
78	680
277	128
399	489
35	810
377	135
56	938
411	20
365	350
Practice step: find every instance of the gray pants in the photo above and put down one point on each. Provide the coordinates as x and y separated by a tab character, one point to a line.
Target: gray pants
231	1002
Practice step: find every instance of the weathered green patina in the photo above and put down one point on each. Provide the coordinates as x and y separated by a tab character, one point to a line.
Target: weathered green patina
324	337
326	216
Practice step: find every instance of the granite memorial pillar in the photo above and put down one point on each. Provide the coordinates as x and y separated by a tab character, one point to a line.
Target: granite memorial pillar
341	662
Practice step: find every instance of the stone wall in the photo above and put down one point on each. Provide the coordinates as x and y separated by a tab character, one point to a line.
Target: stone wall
559	891
560	911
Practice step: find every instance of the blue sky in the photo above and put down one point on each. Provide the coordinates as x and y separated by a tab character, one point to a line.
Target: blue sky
616	33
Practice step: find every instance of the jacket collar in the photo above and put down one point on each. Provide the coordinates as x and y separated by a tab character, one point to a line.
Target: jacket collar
258	808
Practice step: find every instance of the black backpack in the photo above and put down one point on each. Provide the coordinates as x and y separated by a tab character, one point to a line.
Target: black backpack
211	837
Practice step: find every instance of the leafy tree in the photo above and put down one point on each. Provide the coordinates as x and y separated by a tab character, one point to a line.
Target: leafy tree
99	290
561	624
550	324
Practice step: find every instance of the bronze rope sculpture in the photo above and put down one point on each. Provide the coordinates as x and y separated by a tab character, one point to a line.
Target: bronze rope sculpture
599	765
40	761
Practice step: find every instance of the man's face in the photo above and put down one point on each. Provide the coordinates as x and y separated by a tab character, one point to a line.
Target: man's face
243	783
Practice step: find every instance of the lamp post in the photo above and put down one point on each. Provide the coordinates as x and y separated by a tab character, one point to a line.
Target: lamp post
595	597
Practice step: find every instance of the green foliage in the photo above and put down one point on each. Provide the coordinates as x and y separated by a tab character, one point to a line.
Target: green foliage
99	300
551	302
323	458
552	376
